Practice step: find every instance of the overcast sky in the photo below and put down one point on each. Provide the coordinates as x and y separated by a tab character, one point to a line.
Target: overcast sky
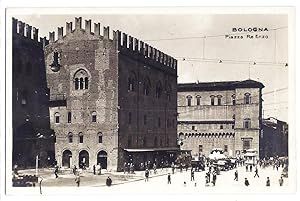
181	36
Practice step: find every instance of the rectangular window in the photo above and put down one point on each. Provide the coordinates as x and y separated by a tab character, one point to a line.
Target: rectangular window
232	126
81	139
69	117
221	126
100	139
225	148
212	101
145	119
193	127
246	144
129	118
57	119
158	122
200	148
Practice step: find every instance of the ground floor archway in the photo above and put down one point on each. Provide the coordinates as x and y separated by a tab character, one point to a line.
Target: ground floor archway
83	159
67	158
102	159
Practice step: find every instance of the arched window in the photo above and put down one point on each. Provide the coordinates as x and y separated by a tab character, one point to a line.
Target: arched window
94	116
189	100
70	137
56	117
247	123
129	141
247	98
81	80
81	83
24	97
145	141
219	99
132	81
158	90
233	99
198	99
76	83
155	142
99	135
212	100
80	137
86	83
146	86
169	92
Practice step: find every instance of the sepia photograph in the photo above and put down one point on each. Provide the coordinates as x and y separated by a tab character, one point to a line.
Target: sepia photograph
149	100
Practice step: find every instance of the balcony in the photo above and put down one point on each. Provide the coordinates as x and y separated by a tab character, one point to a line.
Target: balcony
57	100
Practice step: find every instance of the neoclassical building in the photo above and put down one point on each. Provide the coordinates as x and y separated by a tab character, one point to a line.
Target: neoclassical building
226	115
113	98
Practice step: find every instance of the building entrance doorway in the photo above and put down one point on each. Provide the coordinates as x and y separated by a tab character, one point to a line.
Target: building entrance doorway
67	159
83	159
102	159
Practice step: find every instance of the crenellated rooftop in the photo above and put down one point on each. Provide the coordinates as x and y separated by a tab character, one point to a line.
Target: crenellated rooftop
125	43
27	31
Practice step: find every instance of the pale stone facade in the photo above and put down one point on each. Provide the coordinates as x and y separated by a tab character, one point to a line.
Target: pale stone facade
231	122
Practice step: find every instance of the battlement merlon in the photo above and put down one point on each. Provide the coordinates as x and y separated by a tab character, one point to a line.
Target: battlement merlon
132	46
27	31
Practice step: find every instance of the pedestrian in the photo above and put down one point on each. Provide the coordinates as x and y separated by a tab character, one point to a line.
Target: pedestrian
246	168
206	181
268	181
108	181
173	168
99	170
169	178
208	176
74	170
146	175
77	179
214	178
184	184
246	182
192	174
56	171
154	168
256	173
94	169
124	167
250	168
236	176
281	181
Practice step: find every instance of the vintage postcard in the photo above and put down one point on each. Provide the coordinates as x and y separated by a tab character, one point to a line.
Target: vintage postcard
150	100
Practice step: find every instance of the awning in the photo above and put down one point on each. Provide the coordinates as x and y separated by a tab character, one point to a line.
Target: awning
153	149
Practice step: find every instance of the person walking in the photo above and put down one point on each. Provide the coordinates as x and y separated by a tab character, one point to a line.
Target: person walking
77	179
146	175
256	173
246	168
250	168
268	181
214	178
246	182
192	174
281	181
108	181
74	170
236	176
169	178
56	171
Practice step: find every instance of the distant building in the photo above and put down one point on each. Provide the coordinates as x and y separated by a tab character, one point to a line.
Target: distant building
31	126
112	99
224	115
274	138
